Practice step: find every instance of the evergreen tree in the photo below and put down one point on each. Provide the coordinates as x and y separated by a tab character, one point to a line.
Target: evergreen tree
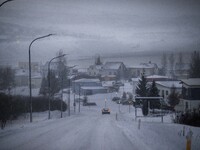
62	70
98	61
163	70
6	78
153	92
195	65
54	83
174	97
171	64
124	96
141	89
44	87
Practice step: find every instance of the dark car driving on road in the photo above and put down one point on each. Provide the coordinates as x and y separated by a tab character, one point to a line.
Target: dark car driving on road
105	111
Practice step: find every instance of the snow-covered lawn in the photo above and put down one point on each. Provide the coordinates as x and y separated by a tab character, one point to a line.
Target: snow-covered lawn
90	130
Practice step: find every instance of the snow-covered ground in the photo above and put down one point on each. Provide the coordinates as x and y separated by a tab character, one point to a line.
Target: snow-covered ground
90	130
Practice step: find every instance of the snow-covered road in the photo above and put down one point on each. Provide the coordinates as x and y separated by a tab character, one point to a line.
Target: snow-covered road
90	130
95	132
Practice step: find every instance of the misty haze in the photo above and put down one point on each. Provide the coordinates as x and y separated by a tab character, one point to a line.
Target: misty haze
100	75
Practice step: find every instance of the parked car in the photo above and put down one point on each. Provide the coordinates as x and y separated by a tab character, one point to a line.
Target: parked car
115	98
105	111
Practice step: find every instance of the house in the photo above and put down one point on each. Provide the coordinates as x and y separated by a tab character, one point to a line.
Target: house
22	74
117	69
146	68
22	78
181	70
88	86
190	94
35	66
165	88
85	90
95	70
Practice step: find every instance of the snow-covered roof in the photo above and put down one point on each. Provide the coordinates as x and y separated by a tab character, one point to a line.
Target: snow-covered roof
169	84
87	80
156	76
107	83
135	79
192	81
112	65
144	65
98	67
92	87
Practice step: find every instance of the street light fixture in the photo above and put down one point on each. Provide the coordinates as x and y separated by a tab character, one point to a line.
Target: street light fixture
5	2
49	80
30	88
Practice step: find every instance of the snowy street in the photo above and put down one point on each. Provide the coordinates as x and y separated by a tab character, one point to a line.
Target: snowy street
90	130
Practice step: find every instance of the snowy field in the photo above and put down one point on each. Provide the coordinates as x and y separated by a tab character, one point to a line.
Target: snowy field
90	130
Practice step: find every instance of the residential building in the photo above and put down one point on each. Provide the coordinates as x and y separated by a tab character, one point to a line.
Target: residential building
165	88
190	94
95	70
117	69
146	68
87	86
35	66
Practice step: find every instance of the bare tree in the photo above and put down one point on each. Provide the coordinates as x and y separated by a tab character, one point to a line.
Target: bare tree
163	70
180	58
171	64
195	65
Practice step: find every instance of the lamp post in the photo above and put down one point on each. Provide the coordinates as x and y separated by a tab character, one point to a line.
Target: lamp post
49	81
5	2
30	88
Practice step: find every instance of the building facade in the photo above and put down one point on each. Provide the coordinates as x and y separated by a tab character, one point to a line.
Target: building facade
190	94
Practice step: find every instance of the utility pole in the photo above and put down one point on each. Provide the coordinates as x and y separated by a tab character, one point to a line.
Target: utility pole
61	104
69	99
79	107
74	96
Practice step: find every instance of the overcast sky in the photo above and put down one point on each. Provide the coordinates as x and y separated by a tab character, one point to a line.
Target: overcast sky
89	27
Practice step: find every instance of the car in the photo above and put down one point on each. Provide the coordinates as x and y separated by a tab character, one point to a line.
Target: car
105	111
115	99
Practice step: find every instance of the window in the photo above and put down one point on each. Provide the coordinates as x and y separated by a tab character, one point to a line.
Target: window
163	94
167	93
186	105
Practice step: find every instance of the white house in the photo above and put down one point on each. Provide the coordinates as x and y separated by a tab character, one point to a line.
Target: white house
165	88
95	70
146	68
117	69
190	94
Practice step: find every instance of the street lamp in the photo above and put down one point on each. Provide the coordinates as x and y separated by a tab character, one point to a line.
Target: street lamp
5	2
49	81
105	102
30	88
